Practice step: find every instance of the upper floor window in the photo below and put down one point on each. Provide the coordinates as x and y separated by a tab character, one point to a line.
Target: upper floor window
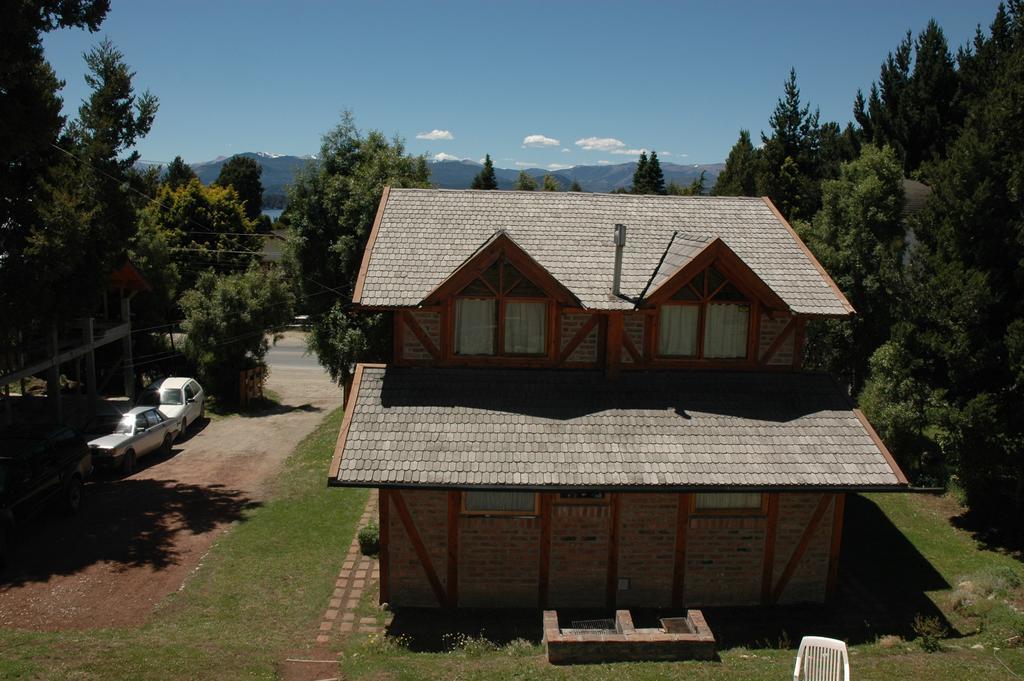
501	312
707	318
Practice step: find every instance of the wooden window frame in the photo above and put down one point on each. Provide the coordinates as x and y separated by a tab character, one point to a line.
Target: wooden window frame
750	512
603	501
506	514
501	298
704	299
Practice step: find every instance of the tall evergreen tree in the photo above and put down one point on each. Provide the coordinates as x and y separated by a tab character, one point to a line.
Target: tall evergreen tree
179	173
739	177
575	186
640	175
550	184
655	178
525	183
485	179
243	174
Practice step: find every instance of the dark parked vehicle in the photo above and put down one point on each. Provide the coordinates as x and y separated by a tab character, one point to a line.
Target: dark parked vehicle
39	465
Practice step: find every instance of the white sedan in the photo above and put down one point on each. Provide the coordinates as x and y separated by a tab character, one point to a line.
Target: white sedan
140	431
177	398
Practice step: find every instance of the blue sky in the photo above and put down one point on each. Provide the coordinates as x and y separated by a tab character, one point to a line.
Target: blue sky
543	84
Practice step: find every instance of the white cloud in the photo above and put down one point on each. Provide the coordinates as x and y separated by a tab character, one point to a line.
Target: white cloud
560	166
526	164
629	152
603	162
685	155
539	141
664	153
600	144
435	135
445	157
565	151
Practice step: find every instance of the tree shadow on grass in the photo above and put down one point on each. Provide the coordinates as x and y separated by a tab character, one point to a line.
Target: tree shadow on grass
996	534
883	585
128	522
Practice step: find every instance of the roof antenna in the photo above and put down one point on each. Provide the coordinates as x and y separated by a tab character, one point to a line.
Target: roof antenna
620	242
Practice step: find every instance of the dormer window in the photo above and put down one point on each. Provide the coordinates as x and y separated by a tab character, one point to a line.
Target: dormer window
707	318
501	312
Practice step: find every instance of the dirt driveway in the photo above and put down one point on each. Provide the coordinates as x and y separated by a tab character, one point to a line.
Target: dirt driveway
138	538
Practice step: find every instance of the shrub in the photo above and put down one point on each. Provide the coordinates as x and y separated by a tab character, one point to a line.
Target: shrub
930	632
369	539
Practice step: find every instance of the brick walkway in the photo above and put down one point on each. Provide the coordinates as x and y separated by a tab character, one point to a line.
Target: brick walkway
358	574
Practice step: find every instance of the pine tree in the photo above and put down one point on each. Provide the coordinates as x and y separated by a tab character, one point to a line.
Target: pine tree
640	175
179	173
243	174
739	177
655	178
486	179
524	183
550	184
575	186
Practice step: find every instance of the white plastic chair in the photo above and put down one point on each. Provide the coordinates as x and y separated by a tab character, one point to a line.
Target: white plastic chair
821	659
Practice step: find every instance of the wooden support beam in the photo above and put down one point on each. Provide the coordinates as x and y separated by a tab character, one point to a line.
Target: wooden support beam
613	350
631	348
801	547
835	546
454	506
771	532
384	513
418	546
612	584
679	562
786	332
544	570
413	325
578	337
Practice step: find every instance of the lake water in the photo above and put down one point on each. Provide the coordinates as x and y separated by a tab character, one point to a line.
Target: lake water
273	213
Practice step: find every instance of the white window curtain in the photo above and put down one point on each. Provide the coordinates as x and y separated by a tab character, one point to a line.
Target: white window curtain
725	330
501	502
475	324
677	330
726	501
525	324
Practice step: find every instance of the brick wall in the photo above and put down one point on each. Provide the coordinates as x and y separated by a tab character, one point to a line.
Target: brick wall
810	579
499	561
586	351
430	322
408	580
770	329
499	557
579	555
724	560
647	542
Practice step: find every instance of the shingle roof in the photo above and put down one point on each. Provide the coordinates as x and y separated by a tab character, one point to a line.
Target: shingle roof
561	428
425	234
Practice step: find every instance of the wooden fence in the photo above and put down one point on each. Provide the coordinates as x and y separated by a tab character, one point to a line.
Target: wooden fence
250	385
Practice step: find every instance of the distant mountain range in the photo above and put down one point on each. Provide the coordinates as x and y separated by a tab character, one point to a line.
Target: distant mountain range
279	170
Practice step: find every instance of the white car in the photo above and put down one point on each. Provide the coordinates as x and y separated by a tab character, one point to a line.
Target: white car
177	398
140	431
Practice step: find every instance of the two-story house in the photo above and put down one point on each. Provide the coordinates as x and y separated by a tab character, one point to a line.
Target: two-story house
597	400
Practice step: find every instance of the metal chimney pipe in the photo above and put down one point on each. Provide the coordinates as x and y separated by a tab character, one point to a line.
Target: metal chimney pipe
620	242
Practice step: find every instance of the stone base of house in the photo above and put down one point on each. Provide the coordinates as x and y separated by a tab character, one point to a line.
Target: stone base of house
682	638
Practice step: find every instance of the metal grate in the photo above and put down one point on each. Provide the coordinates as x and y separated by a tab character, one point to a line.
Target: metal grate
594	625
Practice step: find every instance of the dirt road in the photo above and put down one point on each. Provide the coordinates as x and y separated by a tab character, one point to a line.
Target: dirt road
138	538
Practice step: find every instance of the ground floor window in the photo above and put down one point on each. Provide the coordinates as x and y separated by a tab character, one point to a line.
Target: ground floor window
729	502
499	503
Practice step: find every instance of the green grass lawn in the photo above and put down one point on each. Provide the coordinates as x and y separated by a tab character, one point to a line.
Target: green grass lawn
257	597
912	558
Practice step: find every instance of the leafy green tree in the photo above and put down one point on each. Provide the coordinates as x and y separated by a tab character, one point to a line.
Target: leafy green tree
243	174
739	177
695	188
204	227
525	183
179	173
550	184
858	236
227	321
331	207
575	186
486	179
